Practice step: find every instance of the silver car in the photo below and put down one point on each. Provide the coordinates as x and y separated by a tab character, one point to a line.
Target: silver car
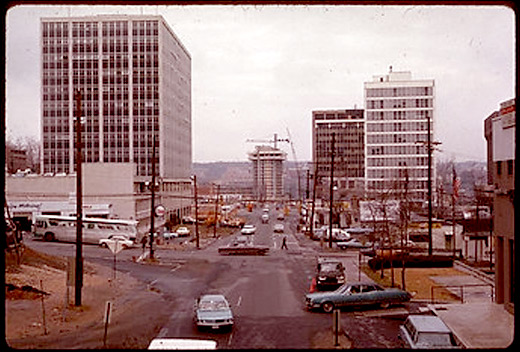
427	332
213	311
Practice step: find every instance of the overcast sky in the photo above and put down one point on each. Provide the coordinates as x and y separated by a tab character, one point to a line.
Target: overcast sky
261	70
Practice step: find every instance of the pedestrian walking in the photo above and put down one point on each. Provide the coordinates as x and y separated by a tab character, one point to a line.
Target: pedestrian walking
284	242
143	242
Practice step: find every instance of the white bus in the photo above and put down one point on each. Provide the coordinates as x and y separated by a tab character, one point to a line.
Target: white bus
63	228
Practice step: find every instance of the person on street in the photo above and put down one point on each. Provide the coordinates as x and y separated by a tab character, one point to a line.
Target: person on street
143	242
284	242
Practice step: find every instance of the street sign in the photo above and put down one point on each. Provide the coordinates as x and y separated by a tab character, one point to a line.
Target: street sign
115	246
160	211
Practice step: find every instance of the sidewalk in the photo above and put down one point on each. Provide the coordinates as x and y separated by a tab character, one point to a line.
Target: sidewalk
478	325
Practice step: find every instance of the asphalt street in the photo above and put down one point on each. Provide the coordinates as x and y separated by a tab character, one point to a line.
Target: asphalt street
266	293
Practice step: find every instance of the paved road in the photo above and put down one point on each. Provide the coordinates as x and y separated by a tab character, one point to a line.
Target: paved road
266	292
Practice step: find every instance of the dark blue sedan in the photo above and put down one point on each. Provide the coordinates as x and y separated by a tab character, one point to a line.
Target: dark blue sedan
356	294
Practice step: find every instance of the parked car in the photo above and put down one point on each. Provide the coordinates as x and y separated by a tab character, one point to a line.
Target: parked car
352	243
183	231
188	220
169	235
213	311
248	230
125	241
337	234
241	241
426	331
278	228
356	294
330	275
265	218
280	216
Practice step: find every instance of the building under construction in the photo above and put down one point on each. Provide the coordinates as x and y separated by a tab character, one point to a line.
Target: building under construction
267	172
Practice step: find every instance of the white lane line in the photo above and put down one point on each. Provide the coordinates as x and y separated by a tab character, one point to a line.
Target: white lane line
239	301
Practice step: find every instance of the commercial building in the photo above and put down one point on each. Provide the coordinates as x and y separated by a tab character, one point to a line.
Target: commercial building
500	132
131	76
267	172
110	190
397	111
348	127
134	77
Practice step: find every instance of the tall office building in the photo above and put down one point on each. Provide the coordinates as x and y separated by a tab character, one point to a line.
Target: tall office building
348	127
398	109
134	76
267	171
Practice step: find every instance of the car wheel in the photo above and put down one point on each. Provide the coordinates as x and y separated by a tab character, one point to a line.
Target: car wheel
327	307
49	236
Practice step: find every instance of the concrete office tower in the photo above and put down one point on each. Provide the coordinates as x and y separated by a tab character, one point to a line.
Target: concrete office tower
398	109
349	150
134	76
267	171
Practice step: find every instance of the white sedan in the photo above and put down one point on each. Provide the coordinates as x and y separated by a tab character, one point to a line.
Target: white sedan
248	230
183	231
278	228
123	241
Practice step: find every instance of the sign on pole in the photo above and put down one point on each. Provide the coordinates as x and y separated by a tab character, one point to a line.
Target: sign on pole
160	211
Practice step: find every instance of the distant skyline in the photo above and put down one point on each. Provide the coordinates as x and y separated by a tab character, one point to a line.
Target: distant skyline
259	70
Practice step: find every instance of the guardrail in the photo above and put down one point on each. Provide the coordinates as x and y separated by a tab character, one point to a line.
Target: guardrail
461	287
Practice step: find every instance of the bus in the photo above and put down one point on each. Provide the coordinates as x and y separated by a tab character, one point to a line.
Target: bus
63	228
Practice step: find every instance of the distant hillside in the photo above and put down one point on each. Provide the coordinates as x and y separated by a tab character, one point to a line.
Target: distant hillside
470	173
221	171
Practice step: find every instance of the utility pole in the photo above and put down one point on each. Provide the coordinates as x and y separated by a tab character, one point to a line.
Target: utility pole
429	146
216	210
331	186
152	206
314	185
78	283
196	211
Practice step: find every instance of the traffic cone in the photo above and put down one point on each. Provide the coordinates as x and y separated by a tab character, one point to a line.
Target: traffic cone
313	285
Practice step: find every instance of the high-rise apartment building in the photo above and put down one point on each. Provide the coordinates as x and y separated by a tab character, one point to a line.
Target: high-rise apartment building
348	127
398	109
134	76
267	171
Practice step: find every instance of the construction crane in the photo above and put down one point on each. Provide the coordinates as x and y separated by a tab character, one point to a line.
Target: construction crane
274	141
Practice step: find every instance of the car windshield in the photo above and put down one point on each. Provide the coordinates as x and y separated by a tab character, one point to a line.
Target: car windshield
213	305
329	267
434	339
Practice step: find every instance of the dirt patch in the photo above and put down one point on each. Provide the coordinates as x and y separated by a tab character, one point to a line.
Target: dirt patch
54	322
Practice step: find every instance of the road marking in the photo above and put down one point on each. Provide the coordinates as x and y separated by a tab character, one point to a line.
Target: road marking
230	338
239	301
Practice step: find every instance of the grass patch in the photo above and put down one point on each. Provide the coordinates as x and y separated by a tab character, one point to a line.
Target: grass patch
417	281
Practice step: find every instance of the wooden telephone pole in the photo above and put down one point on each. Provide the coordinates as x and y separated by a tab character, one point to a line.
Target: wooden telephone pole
78	282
